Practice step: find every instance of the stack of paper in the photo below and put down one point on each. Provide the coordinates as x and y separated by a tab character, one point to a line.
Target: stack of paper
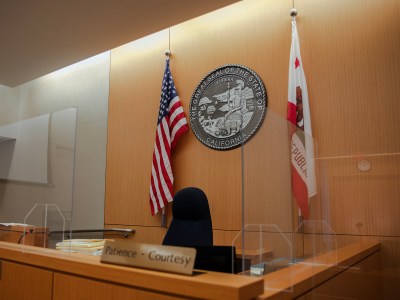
258	269
86	246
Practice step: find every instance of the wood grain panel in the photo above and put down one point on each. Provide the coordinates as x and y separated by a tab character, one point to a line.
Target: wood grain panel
143	234
206	285
362	202
218	173
229	36
352	66
361	281
155	235
267	176
24	282
351	58
68	287
135	83
226	237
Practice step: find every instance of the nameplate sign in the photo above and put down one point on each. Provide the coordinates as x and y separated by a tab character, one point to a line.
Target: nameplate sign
156	257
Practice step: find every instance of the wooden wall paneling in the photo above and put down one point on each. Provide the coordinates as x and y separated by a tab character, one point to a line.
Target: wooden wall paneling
351	58
239	34
351	67
363	202
267	176
143	234
24	282
226	237
191	63
155	235
135	84
248	33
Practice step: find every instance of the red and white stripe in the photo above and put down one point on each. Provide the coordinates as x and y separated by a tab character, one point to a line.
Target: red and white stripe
170	128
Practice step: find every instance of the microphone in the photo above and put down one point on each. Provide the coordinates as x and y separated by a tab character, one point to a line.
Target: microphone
29	231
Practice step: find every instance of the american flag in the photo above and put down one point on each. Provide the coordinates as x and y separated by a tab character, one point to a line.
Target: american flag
298	113
171	124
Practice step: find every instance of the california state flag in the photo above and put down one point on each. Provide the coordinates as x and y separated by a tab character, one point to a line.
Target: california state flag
298	113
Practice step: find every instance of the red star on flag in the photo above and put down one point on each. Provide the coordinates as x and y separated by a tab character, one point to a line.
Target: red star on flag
296	63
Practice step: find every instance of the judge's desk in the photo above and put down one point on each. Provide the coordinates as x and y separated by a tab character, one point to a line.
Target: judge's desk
28	272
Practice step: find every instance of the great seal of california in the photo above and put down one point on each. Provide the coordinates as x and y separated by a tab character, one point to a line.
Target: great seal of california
227	107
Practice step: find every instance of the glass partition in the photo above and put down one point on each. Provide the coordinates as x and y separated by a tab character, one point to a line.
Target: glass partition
280	230
318	242
360	203
263	248
271	162
53	137
356	203
37	174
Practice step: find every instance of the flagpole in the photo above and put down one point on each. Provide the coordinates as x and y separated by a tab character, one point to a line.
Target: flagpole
293	14
164	210
300	218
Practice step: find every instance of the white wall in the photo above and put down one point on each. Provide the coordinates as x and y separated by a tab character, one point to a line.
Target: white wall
85	86
9	104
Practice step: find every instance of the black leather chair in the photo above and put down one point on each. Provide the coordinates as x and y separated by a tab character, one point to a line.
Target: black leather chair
191	223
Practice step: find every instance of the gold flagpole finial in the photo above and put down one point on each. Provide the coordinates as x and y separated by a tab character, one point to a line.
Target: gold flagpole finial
167	53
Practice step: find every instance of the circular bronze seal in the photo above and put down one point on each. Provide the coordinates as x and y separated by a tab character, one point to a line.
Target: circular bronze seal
227	107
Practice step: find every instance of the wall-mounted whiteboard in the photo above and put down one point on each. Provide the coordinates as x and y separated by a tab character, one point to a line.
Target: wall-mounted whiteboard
26	157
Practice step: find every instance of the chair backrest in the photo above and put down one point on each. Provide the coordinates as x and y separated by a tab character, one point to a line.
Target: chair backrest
191	219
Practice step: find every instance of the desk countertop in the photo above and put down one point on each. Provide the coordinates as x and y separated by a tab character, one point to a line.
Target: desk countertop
299	278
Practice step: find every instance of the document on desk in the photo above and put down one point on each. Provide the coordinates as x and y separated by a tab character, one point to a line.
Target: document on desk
14	224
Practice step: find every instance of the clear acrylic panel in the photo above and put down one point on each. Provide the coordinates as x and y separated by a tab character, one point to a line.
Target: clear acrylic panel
274	227
360	195
51	156
356	203
44	217
38	172
317	241
263	248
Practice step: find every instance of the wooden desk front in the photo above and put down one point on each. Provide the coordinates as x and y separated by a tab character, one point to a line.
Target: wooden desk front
82	277
302	278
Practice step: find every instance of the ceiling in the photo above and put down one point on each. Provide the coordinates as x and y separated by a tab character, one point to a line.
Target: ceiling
42	36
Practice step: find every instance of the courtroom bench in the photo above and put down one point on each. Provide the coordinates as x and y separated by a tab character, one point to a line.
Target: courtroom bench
29	272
